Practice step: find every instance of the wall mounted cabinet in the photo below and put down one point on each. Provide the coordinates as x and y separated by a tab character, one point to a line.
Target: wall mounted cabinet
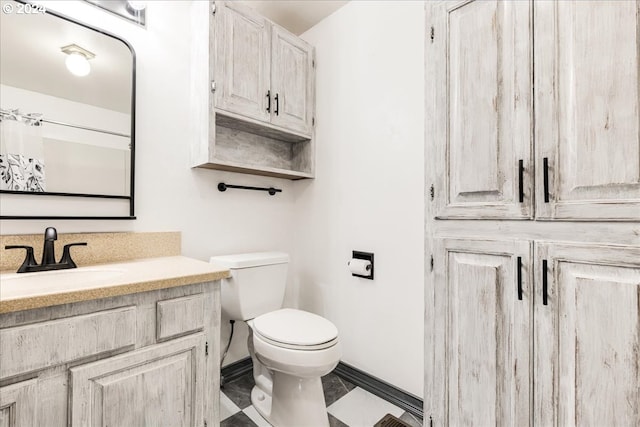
584	103
260	89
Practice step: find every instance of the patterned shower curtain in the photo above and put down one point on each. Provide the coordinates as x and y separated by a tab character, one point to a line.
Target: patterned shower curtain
21	153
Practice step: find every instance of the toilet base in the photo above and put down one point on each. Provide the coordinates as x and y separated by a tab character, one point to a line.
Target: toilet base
295	402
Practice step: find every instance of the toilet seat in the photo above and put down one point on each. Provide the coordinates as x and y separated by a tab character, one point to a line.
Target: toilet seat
295	329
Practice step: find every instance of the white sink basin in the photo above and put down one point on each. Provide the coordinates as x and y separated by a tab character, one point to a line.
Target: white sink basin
42	280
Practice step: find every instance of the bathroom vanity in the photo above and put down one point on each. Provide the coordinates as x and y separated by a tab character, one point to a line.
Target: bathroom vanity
122	344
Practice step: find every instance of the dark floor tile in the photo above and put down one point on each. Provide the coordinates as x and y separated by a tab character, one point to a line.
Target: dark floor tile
335	387
412	420
334	422
238	420
239	390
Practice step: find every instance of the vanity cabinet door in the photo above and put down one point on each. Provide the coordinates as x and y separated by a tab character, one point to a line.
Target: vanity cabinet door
587	336
587	109
291	81
242	61
481	325
160	386
478	57
18	404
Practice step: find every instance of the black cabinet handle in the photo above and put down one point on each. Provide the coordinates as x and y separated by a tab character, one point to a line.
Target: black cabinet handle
520	180
519	273
277	104
545	183
545	300
268	101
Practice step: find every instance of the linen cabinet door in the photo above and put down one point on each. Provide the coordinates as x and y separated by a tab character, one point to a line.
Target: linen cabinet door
482	333
478	54
242	61
587	335
587	112
160	386
291	82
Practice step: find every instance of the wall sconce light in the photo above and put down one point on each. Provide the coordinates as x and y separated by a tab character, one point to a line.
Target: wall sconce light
77	61
137	5
131	10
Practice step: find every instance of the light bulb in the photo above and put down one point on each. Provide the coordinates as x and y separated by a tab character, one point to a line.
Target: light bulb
137	4
77	64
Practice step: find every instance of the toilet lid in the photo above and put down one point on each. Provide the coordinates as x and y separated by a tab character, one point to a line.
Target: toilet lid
295	328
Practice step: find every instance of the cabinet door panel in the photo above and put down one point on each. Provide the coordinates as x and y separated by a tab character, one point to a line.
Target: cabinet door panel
479	57
18	404
292	81
484	331
587	109
161	385
242	61
588	336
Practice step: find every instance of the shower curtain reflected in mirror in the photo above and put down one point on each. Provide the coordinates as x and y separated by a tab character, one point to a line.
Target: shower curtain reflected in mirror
21	152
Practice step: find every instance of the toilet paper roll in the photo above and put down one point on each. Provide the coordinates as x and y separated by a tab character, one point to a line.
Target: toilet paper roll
360	266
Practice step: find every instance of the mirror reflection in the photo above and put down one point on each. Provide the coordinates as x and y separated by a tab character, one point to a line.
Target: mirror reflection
66	107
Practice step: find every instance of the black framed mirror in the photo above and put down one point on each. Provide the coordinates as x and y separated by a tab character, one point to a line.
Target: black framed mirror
67	118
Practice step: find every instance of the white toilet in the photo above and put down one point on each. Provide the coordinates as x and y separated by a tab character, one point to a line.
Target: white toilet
291	349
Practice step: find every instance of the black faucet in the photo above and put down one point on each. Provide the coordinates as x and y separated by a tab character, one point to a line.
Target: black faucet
30	265
48	250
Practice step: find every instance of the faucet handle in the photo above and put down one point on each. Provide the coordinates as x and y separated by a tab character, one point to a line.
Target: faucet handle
29	259
66	254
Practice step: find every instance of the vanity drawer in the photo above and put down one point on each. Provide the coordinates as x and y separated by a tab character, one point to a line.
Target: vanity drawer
179	316
55	342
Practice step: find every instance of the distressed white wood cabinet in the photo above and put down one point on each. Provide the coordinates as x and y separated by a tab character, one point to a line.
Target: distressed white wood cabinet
143	359
243	61
258	83
480	371
587	335
482	58
576	330
292	70
480	67
18	404
533	216
587	104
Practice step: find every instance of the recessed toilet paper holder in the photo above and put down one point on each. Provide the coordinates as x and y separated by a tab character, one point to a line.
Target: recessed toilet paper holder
368	256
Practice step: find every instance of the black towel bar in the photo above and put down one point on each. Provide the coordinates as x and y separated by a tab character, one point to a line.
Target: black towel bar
272	191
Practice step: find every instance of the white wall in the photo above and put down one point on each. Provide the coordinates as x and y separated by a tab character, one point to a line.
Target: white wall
369	191
170	196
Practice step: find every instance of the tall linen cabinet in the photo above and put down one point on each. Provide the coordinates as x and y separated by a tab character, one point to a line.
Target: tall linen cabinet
533	213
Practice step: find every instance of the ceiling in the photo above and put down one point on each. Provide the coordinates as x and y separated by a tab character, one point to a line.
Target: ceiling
296	16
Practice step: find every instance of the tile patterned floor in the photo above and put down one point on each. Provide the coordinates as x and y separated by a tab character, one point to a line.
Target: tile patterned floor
348	405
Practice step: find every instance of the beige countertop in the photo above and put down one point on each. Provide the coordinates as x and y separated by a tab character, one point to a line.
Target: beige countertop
43	289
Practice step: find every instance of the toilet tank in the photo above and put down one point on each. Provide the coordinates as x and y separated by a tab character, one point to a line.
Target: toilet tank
256	285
